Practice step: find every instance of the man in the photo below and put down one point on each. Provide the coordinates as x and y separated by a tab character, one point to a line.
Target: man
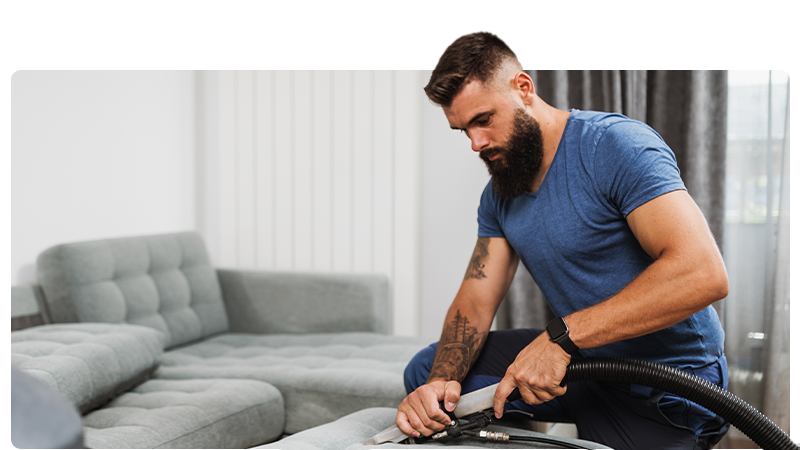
594	206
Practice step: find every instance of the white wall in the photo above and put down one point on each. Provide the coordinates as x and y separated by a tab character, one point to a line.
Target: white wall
97	155
453	178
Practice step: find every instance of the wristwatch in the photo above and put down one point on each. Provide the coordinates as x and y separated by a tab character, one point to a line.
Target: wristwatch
558	331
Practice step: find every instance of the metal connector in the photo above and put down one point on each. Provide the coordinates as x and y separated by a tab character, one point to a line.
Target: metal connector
493	435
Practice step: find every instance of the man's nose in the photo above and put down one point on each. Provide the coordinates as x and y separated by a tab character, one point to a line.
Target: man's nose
479	141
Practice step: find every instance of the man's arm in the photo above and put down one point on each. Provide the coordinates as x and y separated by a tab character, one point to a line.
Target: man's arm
688	275
491	269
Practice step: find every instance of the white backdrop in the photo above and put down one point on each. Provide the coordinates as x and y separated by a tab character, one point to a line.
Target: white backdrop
97	155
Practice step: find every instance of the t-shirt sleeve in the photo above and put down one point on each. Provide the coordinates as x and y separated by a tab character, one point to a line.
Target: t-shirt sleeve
633	165
488	222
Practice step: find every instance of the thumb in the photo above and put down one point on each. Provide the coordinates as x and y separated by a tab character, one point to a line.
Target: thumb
452	392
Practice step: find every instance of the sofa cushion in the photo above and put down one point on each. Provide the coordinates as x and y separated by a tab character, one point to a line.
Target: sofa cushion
87	363
350	433
188	414
322	376
165	282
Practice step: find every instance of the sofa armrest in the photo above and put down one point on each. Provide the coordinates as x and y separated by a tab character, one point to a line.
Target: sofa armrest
296	302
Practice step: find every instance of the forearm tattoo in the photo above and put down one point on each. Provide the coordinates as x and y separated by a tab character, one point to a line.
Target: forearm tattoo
458	349
478	261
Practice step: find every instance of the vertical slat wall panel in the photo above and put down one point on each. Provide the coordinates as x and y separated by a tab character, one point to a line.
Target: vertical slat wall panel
245	163
383	177
407	200
322	144
265	183
320	171
227	168
362	171
303	182
284	170
342	170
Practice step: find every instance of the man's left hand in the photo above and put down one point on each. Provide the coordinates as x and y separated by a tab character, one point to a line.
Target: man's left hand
537	373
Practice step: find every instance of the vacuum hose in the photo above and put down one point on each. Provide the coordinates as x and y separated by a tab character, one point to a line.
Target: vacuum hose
739	413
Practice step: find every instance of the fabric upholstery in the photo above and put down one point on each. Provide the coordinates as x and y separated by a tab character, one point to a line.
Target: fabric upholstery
280	302
87	363
32	405
164	282
322	376
188	414
27	307
350	433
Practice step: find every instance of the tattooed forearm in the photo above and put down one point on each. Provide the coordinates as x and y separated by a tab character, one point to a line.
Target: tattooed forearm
458	349
478	261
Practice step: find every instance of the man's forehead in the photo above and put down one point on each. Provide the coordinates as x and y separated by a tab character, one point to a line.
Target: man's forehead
475	99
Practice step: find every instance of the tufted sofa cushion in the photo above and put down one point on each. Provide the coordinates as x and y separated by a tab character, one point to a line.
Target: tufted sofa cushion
164	282
87	363
322	376
188	414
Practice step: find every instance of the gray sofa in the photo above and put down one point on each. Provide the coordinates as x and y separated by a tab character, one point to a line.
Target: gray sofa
157	348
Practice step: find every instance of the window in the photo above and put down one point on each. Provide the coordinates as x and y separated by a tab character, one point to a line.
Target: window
757	161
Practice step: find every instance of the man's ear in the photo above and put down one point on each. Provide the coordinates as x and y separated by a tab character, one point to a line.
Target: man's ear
524	84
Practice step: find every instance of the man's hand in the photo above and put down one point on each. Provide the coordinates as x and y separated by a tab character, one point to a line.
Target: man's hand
537	372
419	413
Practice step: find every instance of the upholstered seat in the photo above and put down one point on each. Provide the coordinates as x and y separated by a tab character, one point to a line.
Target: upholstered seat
322	376
188	414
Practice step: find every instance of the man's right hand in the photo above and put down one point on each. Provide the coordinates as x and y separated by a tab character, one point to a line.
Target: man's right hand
419	413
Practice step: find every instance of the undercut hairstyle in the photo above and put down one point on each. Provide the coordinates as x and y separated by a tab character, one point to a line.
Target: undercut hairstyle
476	56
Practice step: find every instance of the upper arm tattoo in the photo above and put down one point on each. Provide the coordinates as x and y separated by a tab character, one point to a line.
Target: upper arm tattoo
478	261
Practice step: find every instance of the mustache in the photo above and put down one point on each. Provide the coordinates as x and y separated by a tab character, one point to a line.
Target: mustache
490	152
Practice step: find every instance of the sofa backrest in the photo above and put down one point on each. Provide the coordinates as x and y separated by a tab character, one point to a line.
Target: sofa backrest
165	282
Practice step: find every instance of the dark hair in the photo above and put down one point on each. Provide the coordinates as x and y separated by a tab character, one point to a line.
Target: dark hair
475	56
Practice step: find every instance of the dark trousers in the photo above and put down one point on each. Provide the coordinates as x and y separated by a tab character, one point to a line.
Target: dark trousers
621	416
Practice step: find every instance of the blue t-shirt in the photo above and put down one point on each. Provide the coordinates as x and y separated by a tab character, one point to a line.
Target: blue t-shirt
573	237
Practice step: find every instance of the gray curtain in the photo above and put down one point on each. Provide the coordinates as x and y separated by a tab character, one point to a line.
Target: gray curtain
687	108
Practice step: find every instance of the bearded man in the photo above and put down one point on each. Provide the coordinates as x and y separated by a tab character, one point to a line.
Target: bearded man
594	207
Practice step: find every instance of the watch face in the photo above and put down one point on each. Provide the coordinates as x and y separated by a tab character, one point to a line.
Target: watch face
556	328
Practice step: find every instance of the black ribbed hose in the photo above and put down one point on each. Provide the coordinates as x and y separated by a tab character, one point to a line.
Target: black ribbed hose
739	413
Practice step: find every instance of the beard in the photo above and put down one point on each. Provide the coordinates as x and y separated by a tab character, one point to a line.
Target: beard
521	158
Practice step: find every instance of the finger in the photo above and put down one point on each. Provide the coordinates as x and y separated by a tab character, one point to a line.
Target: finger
558	391
439	418
504	388
402	422
425	420
543	395
419	427
452	393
